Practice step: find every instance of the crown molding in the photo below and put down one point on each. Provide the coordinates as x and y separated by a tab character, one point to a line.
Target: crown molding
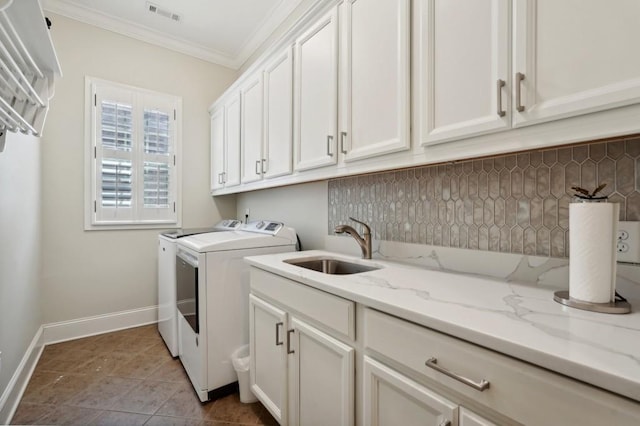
277	16
138	32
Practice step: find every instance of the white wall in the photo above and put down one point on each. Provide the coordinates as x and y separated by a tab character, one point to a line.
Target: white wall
303	207
20	190
88	273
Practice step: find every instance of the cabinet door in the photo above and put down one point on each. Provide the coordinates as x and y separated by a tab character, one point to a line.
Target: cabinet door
469	418
278	118
321	378
316	94
374	78
217	149
267	337
251	129
464	76
232	141
576	57
391	398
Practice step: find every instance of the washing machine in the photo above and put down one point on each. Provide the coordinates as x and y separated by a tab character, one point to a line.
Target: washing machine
213	299
167	313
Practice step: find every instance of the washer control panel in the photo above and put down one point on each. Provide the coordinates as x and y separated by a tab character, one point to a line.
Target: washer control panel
228	225
263	227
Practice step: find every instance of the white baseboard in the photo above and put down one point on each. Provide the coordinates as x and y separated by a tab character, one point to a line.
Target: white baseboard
90	326
13	392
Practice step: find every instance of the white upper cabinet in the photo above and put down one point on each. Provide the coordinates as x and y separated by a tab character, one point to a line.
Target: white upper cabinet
251	102
231	175
225	144
217	149
278	115
575	56
362	86
316	94
493	65
464	68
374	77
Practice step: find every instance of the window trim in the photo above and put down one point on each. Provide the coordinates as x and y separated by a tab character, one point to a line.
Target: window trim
90	176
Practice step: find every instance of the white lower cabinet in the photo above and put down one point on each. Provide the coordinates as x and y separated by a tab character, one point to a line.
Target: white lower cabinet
391	398
321	377
469	418
302	375
268	356
304	349
509	391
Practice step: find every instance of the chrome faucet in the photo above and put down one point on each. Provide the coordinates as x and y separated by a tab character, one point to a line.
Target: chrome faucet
364	242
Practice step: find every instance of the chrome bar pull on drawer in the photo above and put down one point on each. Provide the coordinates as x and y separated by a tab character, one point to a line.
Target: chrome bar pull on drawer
479	386
278	325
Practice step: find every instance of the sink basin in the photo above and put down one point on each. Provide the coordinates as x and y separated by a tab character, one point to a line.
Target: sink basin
331	266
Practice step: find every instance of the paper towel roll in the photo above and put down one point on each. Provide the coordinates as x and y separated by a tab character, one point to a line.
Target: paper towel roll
593	229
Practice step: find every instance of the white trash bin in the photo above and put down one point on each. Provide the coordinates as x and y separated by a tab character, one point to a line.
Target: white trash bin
240	359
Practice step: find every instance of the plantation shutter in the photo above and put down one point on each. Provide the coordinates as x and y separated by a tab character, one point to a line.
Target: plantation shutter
157	153
114	156
134	169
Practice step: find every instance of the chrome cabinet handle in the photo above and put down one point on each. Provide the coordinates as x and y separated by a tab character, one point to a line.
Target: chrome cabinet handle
289	350
224	177
257	164
479	386
500	84
329	141
343	136
519	78
220	178
264	165
278	325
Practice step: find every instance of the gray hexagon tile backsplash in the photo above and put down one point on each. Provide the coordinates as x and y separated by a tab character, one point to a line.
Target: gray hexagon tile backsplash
516	203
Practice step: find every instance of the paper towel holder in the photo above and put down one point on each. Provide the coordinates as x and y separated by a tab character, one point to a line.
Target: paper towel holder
615	307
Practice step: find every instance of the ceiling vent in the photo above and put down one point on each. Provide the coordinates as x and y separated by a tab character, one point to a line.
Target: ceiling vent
162	12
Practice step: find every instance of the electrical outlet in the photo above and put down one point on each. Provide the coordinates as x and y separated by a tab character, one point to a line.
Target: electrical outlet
628	245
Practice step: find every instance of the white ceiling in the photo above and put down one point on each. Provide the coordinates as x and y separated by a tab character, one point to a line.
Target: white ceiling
225	32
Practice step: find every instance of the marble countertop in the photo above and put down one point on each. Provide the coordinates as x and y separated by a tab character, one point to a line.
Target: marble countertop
519	320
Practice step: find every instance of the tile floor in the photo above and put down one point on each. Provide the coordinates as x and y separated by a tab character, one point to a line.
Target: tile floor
123	378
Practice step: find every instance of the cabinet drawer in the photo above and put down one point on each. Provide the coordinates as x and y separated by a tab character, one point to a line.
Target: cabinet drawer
329	311
518	390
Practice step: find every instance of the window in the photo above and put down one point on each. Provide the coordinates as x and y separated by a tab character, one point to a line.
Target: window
133	141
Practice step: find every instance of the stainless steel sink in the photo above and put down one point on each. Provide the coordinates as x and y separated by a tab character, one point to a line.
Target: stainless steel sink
331	266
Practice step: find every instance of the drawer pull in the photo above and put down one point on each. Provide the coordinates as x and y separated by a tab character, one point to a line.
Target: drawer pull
479	386
278	325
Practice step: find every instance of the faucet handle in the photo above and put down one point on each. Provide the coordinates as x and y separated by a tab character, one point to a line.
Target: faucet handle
367	230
